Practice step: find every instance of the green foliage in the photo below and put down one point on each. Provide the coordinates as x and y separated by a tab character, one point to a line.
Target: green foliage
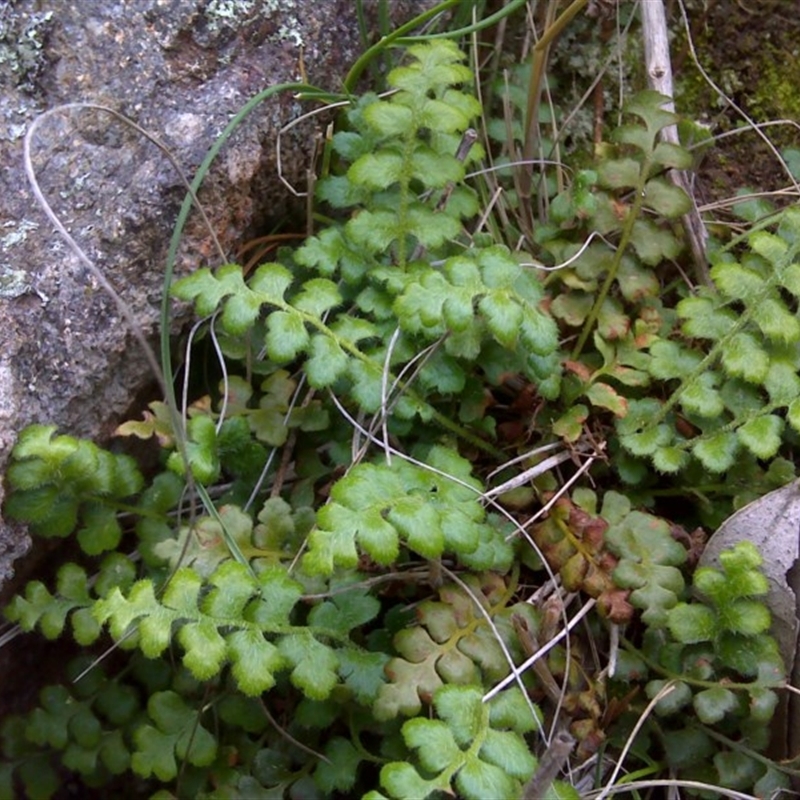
472	746
61	483
718	660
736	382
452	644
648	561
378	506
634	167
89	724
321	613
731	615
175	732
625	558
231	618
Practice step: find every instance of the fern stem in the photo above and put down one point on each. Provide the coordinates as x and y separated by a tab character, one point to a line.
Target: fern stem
441	419
405	192
627	235
733	425
697	682
711	357
737	746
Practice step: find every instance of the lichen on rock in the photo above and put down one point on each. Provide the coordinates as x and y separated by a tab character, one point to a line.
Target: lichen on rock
181	70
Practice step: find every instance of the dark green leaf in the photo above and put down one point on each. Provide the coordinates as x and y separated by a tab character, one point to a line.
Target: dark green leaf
675	696
101	531
672	155
340	771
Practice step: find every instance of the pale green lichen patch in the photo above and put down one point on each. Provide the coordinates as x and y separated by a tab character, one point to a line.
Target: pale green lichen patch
22	46
234	13
13	282
17	234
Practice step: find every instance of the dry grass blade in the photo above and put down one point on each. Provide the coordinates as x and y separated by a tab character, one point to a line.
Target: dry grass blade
665	690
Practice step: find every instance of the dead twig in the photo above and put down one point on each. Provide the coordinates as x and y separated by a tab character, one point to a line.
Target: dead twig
659	77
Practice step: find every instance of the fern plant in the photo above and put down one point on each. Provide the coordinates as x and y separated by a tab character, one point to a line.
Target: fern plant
741	389
699	382
349	617
706	643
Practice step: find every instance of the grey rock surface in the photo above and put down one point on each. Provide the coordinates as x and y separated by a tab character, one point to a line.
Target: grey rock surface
181	69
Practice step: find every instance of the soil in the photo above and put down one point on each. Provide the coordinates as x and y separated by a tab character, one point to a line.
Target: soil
751	49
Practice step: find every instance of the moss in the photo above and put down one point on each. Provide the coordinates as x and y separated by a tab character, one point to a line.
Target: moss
777	94
754	59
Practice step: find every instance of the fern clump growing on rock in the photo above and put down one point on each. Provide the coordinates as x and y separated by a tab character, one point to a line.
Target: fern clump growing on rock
329	598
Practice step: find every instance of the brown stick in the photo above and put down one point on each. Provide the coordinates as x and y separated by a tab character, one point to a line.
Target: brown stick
550	765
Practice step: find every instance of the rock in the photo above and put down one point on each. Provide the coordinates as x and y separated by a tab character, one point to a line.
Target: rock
181	69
